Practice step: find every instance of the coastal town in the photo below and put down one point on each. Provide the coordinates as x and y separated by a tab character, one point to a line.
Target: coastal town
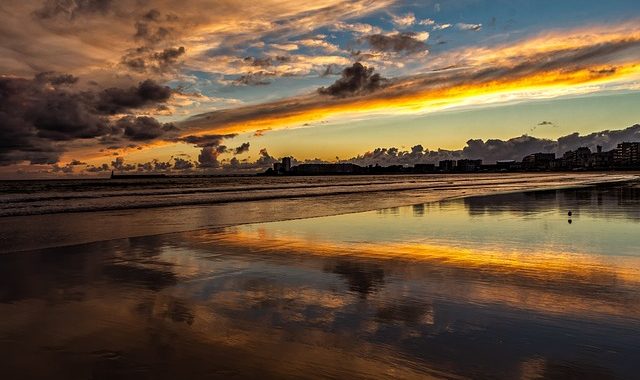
626	156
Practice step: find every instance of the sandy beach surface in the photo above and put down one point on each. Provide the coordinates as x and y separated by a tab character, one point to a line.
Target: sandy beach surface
59	213
498	286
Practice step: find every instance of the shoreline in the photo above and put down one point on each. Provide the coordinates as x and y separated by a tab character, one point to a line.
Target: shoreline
21	232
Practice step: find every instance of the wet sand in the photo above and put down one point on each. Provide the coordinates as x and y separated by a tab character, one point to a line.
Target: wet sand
496	287
19	233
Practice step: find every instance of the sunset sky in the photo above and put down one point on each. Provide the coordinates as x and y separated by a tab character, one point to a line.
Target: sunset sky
226	86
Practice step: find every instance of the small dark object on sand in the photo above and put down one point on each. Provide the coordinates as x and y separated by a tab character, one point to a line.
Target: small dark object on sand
569	213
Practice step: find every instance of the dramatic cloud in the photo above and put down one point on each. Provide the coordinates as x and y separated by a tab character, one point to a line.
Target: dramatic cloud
71	9
79	76
208	157
121	100
203	141
355	80
542	67
244	147
212	148
493	150
144	59
489	151
408	43
143	128
182	164
40	114
119	165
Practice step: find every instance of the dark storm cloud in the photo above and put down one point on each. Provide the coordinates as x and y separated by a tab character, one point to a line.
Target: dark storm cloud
355	80
397	43
120	100
65	116
38	115
208	157
206	140
143	128
244	147
211	146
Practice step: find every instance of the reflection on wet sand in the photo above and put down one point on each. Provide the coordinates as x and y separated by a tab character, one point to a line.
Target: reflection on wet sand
547	281
279	300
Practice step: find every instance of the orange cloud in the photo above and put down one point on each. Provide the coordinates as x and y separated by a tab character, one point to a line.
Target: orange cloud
545	66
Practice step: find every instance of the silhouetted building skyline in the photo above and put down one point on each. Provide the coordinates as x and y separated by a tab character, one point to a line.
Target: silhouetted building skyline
538	160
627	154
624	157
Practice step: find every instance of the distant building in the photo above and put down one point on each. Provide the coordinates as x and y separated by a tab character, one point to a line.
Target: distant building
538	161
315	169
579	158
282	167
503	165
468	165
424	168
627	154
286	164
447	165
602	160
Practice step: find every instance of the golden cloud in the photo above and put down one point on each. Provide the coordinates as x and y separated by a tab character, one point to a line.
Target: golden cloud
544	66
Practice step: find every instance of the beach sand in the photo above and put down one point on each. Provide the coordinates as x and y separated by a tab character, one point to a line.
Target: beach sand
19	233
497	286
